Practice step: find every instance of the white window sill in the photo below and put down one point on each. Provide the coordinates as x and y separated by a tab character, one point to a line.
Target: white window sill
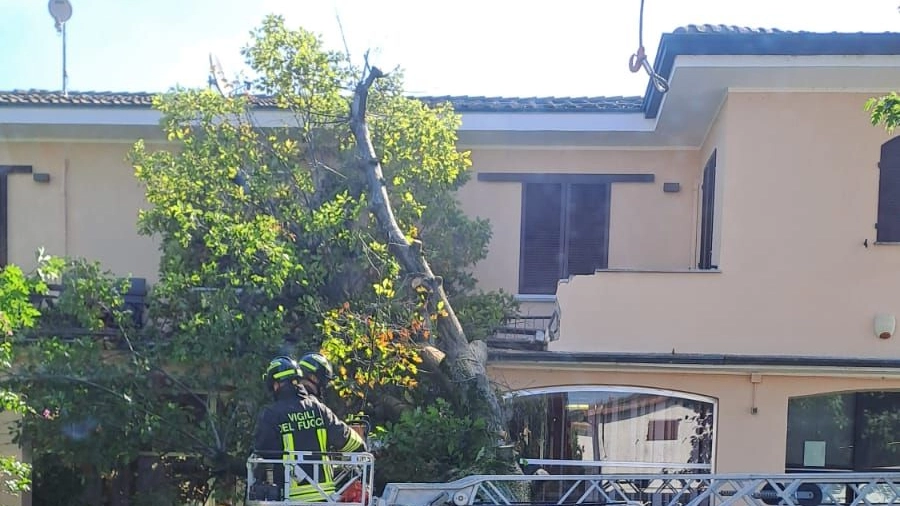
533	297
663	271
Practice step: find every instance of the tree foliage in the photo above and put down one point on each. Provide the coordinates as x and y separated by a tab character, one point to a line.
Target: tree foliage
268	246
884	111
18	313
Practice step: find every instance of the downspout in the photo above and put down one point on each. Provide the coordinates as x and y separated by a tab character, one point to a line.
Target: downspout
66	206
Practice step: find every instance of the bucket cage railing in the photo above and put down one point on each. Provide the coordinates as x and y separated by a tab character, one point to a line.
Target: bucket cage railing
310	478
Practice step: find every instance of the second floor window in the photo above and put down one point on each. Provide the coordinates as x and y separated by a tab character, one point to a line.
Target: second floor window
565	231
888	227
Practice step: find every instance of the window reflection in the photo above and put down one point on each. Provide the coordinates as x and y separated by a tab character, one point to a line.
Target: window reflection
624	430
848	431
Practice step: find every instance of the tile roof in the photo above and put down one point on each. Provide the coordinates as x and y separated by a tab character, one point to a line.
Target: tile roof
746	30
94	98
539	104
460	103
103	98
728	29
689	39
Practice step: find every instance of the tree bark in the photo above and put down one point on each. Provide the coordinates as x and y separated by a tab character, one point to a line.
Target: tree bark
467	361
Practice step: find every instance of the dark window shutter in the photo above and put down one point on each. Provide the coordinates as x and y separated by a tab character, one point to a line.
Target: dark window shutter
4	225
707	213
889	192
889	205
541	238
587	228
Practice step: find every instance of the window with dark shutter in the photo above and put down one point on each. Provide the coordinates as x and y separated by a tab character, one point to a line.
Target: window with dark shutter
5	172
888	228
4	221
565	231
662	430
541	238
587	228
707	213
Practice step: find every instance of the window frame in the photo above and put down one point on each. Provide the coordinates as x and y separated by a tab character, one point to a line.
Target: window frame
856	415
5	172
887	220
663	429
706	248
681	395
564	217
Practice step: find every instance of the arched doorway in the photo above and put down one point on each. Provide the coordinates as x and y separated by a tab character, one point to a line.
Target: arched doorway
619	429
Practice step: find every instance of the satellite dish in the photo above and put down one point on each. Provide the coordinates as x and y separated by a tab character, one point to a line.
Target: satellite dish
61	10
217	76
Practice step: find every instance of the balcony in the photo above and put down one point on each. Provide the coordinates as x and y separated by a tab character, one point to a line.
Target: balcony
753	306
66	328
527	332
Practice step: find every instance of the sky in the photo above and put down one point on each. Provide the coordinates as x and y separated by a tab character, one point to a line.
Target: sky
458	47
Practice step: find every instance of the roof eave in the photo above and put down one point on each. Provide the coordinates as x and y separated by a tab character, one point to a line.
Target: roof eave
672	45
699	362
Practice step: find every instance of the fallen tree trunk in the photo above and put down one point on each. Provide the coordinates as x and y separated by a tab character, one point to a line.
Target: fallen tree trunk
467	361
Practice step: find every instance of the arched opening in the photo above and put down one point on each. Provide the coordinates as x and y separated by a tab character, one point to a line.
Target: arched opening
844	431
613	429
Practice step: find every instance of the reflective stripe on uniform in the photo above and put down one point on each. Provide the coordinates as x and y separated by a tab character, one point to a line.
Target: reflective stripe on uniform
322	435
306	492
354	442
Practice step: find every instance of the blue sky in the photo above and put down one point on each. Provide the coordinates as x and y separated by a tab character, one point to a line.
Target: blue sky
463	47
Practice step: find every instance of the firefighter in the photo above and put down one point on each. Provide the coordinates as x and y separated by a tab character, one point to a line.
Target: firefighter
317	373
298	421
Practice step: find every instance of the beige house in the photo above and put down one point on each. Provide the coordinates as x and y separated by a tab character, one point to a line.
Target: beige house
726	254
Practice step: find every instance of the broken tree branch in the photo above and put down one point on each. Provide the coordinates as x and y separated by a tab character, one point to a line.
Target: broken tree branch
466	361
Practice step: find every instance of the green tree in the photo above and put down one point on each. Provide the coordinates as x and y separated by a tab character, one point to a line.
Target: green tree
276	238
884	111
17	313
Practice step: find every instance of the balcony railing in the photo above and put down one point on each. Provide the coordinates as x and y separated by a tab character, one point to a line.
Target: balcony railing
134	303
528	332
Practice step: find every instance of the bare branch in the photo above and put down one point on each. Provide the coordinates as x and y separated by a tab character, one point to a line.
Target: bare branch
343	37
466	361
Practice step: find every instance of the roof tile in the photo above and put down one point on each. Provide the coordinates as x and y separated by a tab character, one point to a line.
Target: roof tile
727	29
460	103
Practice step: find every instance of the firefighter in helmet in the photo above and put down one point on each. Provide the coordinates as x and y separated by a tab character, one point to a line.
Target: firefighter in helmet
298	421
317	373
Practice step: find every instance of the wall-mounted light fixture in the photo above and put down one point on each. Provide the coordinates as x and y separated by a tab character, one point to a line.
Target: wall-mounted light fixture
885	324
671	187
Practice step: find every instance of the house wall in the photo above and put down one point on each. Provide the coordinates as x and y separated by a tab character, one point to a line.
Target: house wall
89	208
744	442
798	198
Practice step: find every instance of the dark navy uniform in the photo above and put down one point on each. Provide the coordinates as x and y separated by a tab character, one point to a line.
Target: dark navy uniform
298	421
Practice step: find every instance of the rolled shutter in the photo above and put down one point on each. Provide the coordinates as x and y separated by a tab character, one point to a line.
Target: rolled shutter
889	192
541	238
587	229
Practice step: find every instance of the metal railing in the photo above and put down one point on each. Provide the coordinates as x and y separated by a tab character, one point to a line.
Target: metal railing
849	489
526	330
133	301
310	478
